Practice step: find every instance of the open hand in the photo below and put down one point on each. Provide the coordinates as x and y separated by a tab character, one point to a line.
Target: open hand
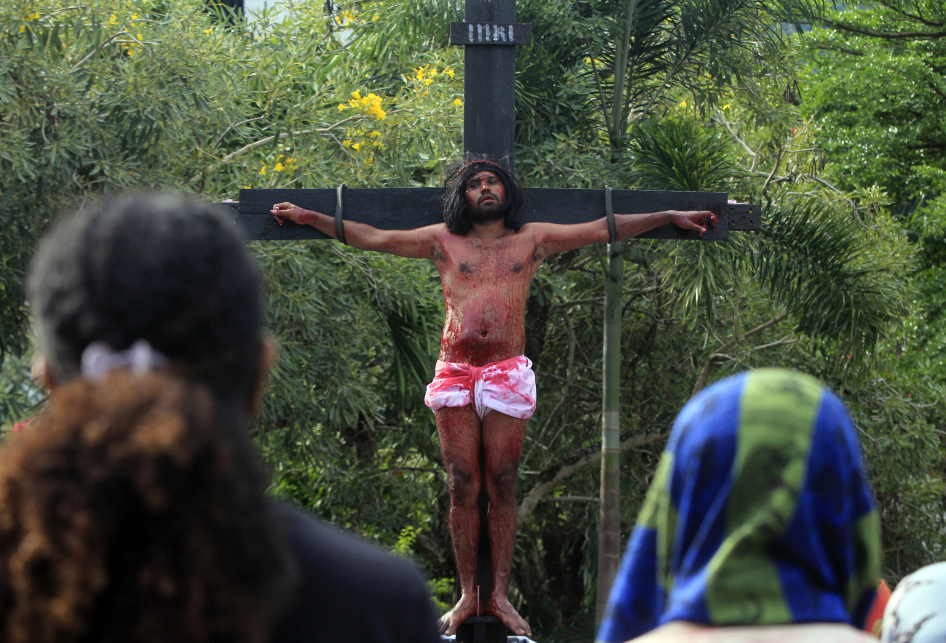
283	211
692	219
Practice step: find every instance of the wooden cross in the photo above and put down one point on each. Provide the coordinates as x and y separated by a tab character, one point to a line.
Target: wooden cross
490	35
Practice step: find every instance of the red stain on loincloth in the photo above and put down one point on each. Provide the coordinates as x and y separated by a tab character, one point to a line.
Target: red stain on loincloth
508	386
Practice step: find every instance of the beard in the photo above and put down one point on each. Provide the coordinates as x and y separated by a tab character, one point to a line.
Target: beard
486	212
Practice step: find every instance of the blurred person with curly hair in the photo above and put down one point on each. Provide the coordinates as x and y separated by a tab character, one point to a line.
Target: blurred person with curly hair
133	509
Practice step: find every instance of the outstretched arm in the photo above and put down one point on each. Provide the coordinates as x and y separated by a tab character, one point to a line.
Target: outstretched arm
421	243
559	238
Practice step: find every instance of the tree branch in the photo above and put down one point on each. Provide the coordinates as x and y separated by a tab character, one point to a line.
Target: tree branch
538	492
572	499
936	89
843	50
902	35
233	127
916	17
721	118
768	181
109	41
717	354
782	342
604	104
246	149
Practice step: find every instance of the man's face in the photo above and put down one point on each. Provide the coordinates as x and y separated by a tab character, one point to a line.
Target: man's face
486	197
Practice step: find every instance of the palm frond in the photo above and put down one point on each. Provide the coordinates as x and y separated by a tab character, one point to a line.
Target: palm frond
679	154
819	263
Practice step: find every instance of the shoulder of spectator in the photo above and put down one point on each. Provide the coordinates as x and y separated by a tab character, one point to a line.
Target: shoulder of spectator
341	569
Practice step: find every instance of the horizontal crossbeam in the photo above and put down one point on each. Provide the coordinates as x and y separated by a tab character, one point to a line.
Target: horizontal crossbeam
410	208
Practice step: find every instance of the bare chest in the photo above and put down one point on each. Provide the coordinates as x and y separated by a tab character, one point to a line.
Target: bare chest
475	262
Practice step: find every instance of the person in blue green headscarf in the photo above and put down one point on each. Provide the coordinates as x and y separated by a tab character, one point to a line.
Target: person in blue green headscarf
760	524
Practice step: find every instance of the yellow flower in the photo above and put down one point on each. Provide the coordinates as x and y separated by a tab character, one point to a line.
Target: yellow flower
682	104
134	16
374	134
449	71
279	167
727	106
342	107
356	95
428	81
356	146
112	20
420	73
347	142
22	28
263	171
375	17
140	37
208	31
33	16
433	72
458	102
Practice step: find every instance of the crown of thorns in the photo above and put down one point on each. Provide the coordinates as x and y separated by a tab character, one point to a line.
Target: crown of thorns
481	162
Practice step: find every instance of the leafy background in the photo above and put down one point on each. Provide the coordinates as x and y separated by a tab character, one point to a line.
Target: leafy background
838	131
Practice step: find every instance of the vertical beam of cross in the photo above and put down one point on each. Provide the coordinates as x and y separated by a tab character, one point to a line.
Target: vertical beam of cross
489	115
489	36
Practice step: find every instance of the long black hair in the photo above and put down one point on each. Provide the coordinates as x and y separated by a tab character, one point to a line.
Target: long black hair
455	207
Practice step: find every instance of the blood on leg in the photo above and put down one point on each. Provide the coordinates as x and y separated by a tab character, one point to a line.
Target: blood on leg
460	437
502	444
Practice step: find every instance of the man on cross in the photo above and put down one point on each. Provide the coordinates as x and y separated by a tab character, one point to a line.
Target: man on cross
483	392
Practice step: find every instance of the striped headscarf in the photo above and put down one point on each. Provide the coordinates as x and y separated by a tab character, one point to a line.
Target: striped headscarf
759	514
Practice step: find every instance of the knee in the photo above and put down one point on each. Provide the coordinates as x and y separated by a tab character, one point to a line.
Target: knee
464	486
502	486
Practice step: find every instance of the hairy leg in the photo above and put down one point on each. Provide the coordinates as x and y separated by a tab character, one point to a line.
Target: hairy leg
502	443
460	435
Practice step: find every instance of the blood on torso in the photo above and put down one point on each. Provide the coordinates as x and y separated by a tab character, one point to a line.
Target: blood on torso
485	286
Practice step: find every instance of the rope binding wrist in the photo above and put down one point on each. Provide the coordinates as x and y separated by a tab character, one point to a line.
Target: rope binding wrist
609	209
339	220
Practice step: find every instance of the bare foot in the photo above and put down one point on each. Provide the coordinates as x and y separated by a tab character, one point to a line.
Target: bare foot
503	609
463	610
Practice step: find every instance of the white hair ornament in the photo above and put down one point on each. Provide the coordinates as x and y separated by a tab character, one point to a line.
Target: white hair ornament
98	360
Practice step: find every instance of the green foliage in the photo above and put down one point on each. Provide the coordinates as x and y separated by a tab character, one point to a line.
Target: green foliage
828	272
89	104
679	154
698	95
878	86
